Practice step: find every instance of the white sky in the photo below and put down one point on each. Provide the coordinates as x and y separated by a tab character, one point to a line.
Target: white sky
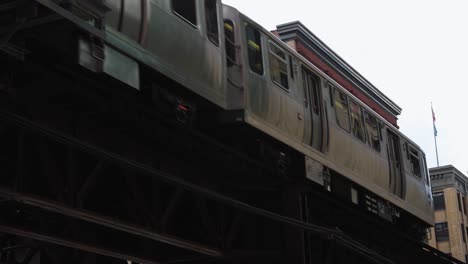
416	52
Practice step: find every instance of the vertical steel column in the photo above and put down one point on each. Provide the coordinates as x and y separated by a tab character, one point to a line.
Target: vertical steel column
21	163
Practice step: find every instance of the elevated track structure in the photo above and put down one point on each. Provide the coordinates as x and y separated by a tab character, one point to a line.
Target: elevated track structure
91	171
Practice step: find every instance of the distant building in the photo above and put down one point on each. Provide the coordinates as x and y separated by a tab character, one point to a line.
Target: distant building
449	189
301	39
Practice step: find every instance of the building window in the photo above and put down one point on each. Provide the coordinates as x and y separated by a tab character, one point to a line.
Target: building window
291	67
458	202
278	65
186	9
464	204
341	108
414	160
463	232
372	128
254	47
441	232
356	121
211	14
439	201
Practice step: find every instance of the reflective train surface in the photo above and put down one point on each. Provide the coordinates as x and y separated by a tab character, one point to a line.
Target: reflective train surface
220	55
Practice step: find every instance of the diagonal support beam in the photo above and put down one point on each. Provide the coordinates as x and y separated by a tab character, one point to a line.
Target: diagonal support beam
140	206
170	209
25	9
9	34
233	231
90	182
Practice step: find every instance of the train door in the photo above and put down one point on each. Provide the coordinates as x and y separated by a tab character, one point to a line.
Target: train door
397	181
313	133
234	78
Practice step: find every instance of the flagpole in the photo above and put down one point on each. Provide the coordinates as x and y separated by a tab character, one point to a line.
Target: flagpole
437	152
435	135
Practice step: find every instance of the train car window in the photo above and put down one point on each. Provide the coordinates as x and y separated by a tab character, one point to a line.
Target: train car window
426	173
230	43
341	108
315	80
186	9
372	128
415	164
331	89
278	66
305	81
311	84
439	201
211	14
406	149
357	127
254	47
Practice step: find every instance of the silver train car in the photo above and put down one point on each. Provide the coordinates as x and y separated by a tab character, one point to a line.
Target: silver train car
226	58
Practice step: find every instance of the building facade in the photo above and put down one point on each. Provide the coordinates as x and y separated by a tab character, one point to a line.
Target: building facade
301	39
449	188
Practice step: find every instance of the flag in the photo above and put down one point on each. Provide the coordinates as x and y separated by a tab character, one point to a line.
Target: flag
433	122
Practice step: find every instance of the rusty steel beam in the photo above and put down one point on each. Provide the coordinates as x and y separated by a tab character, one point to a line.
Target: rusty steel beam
108	222
73	244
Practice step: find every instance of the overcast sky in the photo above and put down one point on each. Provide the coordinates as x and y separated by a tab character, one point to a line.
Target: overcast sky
416	52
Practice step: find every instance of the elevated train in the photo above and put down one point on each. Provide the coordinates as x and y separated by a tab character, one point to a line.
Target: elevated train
221	55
